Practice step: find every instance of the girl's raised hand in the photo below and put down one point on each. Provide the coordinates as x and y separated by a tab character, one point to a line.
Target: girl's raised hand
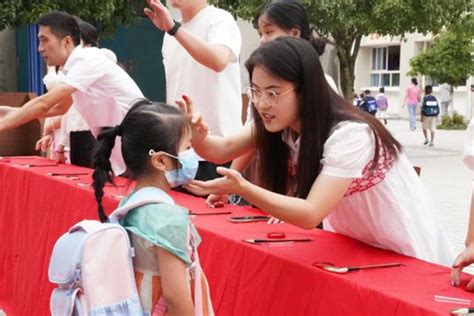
159	15
231	182
199	127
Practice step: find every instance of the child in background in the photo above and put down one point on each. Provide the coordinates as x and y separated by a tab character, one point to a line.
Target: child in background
155	147
356	100
369	104
429	113
382	105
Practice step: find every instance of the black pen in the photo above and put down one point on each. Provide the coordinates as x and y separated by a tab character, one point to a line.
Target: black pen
257	241
465	310
210	213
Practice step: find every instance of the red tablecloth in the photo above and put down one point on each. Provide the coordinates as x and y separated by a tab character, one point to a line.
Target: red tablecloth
245	279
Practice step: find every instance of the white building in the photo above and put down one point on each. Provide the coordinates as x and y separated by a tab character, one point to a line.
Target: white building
385	61
382	61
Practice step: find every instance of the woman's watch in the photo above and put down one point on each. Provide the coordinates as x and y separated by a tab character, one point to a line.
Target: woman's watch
174	29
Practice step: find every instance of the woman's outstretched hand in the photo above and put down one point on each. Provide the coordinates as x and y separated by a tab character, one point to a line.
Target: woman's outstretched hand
232	182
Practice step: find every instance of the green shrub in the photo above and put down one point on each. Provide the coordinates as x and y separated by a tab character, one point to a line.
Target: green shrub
454	122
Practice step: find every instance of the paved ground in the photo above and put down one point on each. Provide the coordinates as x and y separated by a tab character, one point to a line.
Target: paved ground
443	173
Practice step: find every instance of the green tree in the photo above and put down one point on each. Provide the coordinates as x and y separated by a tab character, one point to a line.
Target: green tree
108	14
450	57
344	22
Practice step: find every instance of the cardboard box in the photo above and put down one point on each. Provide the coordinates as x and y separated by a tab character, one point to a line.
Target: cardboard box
21	140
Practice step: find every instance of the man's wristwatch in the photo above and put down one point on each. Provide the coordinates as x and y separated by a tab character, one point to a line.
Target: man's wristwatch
174	29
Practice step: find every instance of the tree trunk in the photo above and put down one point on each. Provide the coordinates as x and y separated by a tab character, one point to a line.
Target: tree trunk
346	73
347	47
451	102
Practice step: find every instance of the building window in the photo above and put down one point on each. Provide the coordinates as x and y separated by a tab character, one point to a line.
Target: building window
385	66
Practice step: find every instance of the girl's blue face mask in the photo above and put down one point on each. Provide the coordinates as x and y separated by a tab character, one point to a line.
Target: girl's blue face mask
189	166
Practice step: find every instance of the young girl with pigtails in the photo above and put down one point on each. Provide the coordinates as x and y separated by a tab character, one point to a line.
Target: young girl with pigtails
155	147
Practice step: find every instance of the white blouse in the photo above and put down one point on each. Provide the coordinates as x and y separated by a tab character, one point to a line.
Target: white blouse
388	208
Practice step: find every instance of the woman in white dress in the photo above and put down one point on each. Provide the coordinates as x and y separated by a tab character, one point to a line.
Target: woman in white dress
323	159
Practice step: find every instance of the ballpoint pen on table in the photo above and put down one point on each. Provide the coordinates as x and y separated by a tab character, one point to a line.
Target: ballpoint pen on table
210	213
464	310
261	241
248	219
53	174
8	158
29	165
452	300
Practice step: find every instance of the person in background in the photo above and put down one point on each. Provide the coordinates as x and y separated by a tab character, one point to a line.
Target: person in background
356	100
466	257
204	46
411	100
369	104
445	92
429	113
102	91
361	97
60	130
382	105
288	18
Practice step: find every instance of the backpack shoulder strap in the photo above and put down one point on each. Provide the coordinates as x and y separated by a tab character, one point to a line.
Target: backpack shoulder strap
89	226
142	197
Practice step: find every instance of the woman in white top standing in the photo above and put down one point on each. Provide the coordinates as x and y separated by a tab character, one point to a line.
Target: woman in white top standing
323	159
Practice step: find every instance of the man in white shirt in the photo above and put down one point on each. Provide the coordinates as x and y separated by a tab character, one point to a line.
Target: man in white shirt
102	91
200	56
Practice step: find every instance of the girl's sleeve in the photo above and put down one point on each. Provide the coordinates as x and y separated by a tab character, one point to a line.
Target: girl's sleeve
348	150
165	226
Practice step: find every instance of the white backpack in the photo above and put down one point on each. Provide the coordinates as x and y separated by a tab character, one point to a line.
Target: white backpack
92	265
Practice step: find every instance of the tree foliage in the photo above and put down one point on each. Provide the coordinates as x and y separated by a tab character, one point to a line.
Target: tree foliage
450	57
107	14
344	22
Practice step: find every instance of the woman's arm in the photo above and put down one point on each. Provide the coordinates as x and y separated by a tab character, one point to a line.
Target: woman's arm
220	150
216	149
325	194
174	284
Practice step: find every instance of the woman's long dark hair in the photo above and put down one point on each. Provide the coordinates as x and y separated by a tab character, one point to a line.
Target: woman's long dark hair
320	109
290	14
147	125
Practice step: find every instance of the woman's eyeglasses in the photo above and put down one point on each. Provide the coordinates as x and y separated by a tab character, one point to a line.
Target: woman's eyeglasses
270	97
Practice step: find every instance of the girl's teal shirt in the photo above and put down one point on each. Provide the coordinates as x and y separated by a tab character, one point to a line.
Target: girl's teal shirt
164	225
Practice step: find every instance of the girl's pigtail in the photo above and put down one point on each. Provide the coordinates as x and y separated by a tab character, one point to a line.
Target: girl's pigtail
102	167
